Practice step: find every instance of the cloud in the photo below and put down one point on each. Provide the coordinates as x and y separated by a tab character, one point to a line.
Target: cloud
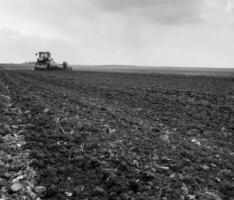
162	11
139	32
13	33
123	5
8	33
219	13
229	5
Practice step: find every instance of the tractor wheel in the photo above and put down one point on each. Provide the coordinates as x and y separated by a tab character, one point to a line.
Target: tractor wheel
48	66
65	64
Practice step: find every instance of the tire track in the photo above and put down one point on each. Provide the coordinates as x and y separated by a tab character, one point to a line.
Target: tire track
17	176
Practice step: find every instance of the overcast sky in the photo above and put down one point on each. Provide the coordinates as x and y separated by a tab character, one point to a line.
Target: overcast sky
139	32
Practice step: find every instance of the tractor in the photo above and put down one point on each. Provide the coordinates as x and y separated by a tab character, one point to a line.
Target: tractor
45	62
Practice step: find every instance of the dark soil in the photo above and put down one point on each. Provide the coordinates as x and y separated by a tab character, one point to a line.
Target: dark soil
127	136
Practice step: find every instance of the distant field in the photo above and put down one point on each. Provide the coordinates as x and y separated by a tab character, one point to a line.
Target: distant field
136	69
161	70
16	66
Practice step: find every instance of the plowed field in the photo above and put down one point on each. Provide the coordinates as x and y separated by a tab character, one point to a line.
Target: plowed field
119	136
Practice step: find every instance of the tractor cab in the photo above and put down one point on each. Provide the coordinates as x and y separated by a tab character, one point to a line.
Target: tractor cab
43	58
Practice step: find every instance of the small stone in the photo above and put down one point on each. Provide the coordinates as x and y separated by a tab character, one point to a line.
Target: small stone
113	195
2	172
148	175
98	190
213	165
146	167
124	196
51	172
1	131
15	126
184	190
217	180
151	198
2	182
17	179
78	190
123	165
135	163
173	147
46	110
227	173
155	157
181	177
147	187
161	167
19	120
187	179
6	129
165	138
165	159
150	183
7	175
210	196
39	189
195	141
205	167
153	169
68	194
182	197
192	197
16	187
172	175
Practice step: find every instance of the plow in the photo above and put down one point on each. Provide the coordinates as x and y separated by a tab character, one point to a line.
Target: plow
46	63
